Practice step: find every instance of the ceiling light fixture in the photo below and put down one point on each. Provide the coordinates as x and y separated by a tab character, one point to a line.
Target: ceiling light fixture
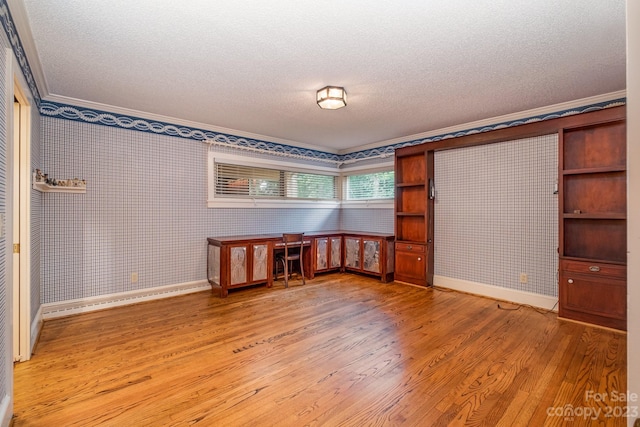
331	97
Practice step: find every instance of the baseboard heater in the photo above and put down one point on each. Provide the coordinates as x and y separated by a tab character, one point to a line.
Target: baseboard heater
84	305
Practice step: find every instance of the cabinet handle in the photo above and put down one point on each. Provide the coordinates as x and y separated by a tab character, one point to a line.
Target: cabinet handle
409	247
594	268
419	258
570	280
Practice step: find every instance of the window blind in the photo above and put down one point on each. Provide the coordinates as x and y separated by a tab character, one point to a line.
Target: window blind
239	181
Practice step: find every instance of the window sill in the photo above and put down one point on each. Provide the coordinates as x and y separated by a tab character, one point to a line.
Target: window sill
367	204
272	204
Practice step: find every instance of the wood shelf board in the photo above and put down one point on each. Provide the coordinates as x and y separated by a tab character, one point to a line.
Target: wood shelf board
410	184
617	216
582	171
46	188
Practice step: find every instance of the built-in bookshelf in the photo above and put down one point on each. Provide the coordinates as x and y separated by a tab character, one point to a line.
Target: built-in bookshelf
414	215
592	223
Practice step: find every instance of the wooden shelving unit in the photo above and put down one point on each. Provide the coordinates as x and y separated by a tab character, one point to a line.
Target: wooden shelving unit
592	224
414	215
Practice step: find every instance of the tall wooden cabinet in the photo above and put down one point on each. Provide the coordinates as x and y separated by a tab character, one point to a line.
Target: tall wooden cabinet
414	194
592	224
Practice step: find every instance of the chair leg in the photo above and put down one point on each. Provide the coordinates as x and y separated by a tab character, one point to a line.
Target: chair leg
286	273
281	265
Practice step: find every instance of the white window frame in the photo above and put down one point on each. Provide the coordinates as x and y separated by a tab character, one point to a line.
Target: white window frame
362	170
230	202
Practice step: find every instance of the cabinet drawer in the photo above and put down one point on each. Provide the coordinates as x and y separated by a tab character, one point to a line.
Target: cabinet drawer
597	269
410	247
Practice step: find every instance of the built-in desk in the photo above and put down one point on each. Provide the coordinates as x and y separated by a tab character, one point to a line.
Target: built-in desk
238	261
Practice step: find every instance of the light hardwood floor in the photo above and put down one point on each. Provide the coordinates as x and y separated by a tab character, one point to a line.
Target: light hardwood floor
343	350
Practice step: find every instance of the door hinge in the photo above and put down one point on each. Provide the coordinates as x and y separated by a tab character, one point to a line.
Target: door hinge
16	248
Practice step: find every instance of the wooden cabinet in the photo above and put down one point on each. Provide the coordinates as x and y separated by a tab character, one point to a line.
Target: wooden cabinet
327	253
248	263
369	255
237	261
592	224
414	194
233	264
412	262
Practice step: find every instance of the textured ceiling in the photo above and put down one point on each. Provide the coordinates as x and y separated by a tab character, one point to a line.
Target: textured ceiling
254	66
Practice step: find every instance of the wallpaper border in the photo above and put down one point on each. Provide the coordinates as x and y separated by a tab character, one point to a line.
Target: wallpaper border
70	112
389	149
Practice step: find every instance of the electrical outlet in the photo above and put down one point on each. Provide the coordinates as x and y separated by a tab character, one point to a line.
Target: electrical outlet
524	278
134	277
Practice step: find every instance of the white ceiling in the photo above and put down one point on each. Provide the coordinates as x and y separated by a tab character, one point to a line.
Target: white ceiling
254	66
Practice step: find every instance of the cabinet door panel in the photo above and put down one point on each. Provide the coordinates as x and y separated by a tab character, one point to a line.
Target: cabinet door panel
321	254
238	265
371	260
260	264
352	253
336	252
593	295
411	265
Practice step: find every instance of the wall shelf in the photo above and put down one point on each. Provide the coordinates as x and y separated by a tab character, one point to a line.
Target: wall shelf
47	188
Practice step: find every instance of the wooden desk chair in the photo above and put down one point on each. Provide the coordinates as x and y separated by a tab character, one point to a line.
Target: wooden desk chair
293	248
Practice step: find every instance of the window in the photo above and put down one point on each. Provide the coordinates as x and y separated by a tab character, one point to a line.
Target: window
253	182
244	182
370	186
310	186
241	182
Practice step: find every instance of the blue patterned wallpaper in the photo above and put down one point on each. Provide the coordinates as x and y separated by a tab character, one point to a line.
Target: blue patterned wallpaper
36	219
144	211
5	304
496	214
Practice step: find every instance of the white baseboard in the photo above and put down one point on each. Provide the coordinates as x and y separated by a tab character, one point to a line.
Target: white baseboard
6	411
519	297
85	305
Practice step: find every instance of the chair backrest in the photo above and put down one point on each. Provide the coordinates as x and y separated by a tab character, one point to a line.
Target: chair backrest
293	240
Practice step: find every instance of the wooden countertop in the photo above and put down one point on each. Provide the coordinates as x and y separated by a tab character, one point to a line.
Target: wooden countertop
278	236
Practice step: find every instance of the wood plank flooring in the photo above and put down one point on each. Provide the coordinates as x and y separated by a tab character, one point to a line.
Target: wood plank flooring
343	350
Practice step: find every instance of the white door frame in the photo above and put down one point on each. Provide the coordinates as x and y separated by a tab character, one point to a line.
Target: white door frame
20	176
